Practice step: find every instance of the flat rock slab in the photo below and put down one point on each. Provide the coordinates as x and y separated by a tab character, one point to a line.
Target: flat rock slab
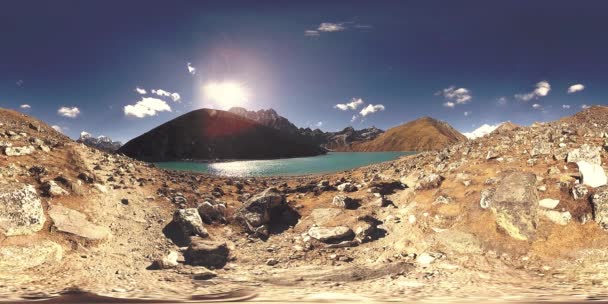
21	211
71	221
16	259
331	234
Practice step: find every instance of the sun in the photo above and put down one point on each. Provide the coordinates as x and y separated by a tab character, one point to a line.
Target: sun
226	94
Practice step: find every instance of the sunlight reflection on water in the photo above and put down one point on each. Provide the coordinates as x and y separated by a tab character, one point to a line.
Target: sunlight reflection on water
331	162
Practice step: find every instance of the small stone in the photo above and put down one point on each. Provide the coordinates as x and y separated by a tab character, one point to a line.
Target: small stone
548	203
272	262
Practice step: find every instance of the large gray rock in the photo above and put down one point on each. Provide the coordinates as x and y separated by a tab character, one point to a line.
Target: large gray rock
190	222
514	202
71	221
593	174
212	212
344	201
21	211
347	187
254	215
19	151
429	182
599	200
586	153
331	234
202	252
50	188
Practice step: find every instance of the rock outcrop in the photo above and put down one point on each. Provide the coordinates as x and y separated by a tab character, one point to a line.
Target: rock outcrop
21	211
73	222
514	203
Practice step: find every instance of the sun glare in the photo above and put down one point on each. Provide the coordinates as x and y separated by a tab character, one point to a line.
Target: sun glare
226	94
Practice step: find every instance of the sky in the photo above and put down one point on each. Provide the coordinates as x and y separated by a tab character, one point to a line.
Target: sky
85	65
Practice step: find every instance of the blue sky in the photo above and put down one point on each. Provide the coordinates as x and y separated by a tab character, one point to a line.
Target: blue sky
493	60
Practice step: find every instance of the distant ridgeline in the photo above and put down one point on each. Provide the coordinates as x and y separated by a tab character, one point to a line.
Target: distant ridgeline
208	134
104	143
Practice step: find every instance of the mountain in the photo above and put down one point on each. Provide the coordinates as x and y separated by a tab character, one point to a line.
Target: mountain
338	141
342	140
269	118
505	127
419	135
103	143
216	134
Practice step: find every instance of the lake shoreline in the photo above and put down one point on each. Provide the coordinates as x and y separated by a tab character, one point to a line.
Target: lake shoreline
332	162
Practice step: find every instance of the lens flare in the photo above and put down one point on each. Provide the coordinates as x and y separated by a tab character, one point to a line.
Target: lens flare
226	94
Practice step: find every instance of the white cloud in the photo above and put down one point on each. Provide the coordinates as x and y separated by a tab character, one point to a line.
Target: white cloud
25	106
191	69
542	89
354	118
454	96
467	113
147	106
352	105
575	88
371	109
565	106
57	128
68	112
585	106
319	124
502	101
174	96
331	27
311	33
481	131
140	90
537	106
19	82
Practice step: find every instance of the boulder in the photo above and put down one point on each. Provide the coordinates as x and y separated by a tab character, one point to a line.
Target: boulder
71	221
430	181
166	262
21	211
331	234
347	187
323	216
599	200
548	203
255	214
557	217
579	191
514	203
190	222
585	153
208	253
19	151
593	174
212	212
344	201
50	188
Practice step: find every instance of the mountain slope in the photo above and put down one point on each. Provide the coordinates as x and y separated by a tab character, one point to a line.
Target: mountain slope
215	134
419	135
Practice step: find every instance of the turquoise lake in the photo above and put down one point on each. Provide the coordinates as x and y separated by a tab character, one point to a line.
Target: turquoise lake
331	162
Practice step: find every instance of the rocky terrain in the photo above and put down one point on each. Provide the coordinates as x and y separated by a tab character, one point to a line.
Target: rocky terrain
101	142
519	215
207	134
422	134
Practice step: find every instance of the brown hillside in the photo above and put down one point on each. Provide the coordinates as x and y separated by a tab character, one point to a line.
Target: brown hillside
419	135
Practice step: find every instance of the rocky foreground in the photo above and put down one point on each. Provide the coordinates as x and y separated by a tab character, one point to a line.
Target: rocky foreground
520	214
